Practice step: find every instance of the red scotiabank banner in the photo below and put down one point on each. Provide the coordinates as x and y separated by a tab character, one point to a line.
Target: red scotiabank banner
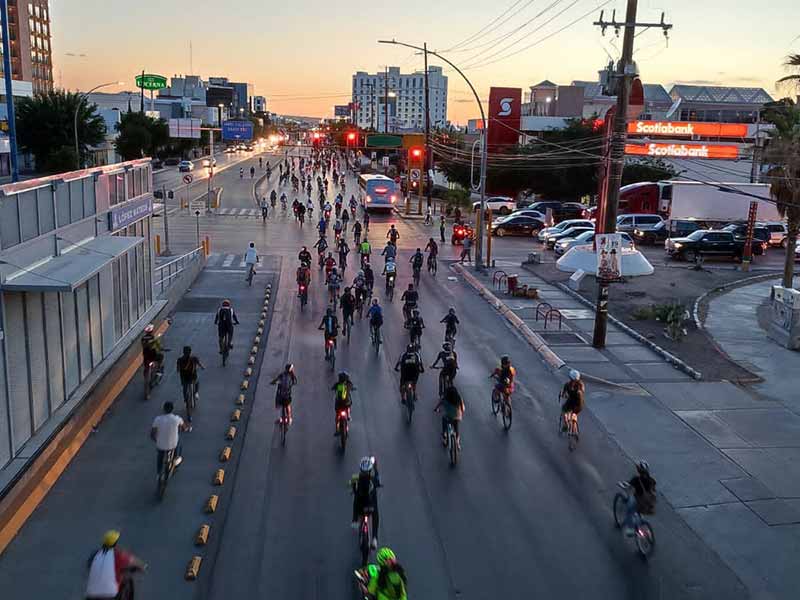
687	129
723	152
504	117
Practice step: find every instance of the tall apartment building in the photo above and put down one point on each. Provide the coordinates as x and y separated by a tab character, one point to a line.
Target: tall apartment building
31	53
400	98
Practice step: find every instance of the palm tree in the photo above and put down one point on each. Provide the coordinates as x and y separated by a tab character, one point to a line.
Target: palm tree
782	154
792	62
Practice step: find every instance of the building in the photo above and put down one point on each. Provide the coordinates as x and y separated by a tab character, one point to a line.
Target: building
657	102
259	104
76	289
400	98
31	53
718	104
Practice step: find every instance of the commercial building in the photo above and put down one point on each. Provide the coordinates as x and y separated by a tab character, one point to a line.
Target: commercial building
259	104
400	98
718	104
76	288
31	53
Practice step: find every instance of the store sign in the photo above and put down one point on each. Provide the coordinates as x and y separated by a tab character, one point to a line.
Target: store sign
683	151
505	110
687	129
130	212
151	82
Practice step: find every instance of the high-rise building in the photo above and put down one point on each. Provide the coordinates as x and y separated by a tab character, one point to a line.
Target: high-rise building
31	54
402	96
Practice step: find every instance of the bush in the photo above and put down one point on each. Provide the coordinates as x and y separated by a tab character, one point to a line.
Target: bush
457	197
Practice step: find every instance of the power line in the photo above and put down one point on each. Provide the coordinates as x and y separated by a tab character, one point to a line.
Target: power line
483	29
494	40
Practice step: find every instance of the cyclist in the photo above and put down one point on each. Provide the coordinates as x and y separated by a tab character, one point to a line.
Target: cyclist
310	209
454	409
389	251
504	376
442	226
304	256
344	250
642	500
357	232
187	366
409	298
449	360
321	245
326	208
252	172
345	219
241	172
393	235
365	249
330	326
337	228
295	210
165	433
433	253
348	302
388	580
573	395
450	321
365	493
342	397
301	212
366	220
107	568
369	278
285	380
334	281
225	319
264	208
415	326
322	226
390	271
428	215
353	204
303	276
375	316
151	349
416	261
330	265
273	198
250	260
260	162
410	366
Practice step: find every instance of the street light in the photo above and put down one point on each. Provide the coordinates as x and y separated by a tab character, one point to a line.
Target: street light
484	146
81	96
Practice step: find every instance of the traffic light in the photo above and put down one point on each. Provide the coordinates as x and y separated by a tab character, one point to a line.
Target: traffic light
351	137
416	153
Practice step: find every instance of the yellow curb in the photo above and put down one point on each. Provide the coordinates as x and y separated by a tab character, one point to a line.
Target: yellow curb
260	330
231	433
261	322
240	399
219	477
201	539
254	350
211	504
225	455
193	568
251	360
263	315
248	372
236	415
245	384
257	340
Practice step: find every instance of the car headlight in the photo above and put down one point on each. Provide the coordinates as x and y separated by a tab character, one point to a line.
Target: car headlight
677	245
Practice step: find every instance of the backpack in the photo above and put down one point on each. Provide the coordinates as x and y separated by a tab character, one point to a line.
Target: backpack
225	316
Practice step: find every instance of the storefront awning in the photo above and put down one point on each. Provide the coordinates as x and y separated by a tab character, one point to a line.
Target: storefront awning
66	272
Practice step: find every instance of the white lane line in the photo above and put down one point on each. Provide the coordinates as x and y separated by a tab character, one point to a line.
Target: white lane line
212	259
228	260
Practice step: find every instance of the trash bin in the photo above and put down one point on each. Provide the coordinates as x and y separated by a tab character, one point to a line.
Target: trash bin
512	283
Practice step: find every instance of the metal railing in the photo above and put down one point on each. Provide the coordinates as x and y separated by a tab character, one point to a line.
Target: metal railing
165	274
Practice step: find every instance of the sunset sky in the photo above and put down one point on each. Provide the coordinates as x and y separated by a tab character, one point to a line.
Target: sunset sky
301	54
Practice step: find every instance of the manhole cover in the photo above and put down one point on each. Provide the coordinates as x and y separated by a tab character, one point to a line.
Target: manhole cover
561	337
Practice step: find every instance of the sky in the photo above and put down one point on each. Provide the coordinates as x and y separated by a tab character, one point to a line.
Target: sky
301	54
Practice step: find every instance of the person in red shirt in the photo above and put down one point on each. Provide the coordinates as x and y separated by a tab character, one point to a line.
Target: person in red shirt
108	567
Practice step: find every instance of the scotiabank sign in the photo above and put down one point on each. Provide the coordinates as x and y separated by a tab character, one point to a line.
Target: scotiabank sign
687	129
504	116
683	151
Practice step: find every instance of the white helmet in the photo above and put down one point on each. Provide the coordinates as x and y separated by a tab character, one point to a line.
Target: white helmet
366	464
574	375
150	328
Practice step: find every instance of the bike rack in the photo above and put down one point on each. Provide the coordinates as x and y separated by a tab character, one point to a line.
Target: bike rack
497	280
550	315
542	309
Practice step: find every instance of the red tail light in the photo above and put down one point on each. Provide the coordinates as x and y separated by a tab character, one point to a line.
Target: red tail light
343	414
302	288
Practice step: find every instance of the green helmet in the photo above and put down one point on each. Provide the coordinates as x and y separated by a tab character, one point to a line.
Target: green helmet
384	556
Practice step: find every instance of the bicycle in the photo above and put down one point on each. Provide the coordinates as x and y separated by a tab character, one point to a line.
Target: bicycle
363	535
343	427
568	424
643	535
190	398
445	382
501	403
433	265
376	337
283	423
452	443
225	346
167	469
330	352
450	337
416	276
409	398
251	271
347	326
390	287
303	294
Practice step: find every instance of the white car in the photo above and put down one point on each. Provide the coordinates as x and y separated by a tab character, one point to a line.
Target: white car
503	205
185	166
586	239
563	226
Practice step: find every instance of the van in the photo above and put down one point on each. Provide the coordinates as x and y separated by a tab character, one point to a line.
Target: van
642	222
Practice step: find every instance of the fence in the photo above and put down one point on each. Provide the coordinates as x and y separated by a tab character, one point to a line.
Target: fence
165	274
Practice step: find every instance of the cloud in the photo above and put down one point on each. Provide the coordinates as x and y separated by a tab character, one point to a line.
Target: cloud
699	82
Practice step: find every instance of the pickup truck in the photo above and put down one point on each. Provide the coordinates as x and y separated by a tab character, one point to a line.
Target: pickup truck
706	242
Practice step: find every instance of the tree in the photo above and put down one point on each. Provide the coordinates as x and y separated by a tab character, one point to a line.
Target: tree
45	127
140	135
782	157
792	62
647	169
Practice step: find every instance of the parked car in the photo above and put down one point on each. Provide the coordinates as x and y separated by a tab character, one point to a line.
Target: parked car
185	166
524	212
157	164
777	233
709	242
739	231
518	225
630	223
661	231
172	162
562	211
460	231
569	232
503	205
585	239
545	233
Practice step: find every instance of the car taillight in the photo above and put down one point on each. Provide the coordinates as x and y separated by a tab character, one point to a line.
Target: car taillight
369	199
394	198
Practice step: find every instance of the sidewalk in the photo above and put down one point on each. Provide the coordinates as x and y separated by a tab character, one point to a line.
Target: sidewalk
725	458
111	483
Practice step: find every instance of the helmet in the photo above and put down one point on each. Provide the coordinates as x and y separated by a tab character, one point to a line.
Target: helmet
385	556
642	466
187	350
447	346
419	250
505	360
333	271
452	311
410	286
150	328
289	367
366	464
574	375
110	538
343	376
329	311
360	273
347	290
226	303
411	348
305	249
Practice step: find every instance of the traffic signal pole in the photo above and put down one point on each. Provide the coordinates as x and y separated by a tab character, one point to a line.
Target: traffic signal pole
428	165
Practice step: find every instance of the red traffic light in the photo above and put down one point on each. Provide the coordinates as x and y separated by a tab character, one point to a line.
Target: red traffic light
316	136
416	152
351	136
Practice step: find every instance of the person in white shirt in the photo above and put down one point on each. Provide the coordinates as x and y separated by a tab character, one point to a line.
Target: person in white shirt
165	433
108	569
250	260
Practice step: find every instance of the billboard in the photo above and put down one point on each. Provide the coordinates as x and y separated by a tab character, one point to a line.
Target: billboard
341	110
185	128
609	255
217	94
237	130
687	129
724	152
504	116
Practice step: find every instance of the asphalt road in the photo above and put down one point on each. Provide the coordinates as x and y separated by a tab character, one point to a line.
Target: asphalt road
520	514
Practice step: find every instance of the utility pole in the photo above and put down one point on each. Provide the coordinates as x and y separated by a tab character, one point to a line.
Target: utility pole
166	220
428	165
7	73
141	103
386	100
626	72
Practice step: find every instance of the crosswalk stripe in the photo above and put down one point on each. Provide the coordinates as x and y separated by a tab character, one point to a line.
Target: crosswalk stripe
241	264
228	260
224	211
212	259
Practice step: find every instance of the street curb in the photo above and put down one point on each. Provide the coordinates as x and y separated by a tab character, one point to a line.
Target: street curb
724	288
257	183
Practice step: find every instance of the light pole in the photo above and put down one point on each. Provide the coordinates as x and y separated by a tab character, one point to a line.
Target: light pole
484	146
7	73
81	96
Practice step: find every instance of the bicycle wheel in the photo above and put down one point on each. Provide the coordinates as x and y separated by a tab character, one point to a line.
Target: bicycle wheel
645	539
573	433
495	402
507	415
410	401
343	434
453	448
284	425
363	541
620	509
333	357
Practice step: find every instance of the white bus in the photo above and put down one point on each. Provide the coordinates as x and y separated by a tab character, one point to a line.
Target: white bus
377	192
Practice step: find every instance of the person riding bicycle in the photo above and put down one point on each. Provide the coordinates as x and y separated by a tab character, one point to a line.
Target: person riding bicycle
504	376
285	380
322	226
326	208
360	285
273	197
366	220
295	207
252	172
365	250
369	277
345	219
329	325
330	266
409	298
364	486
375	315
387	580
337	228
449	360
344	250
389	251
348	302
283	200
334	282
451	321
241	172
107	568
151	349
393	235
454	409
428	215
186	366
415	325
416	260
225	319
321	245
165	433
432	248
310	209
304	256
642	499
303	276
264	207
410	366
573	395
356	230
353	203
342	397
250	259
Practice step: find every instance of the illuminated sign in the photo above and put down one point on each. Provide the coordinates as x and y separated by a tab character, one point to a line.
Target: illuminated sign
683	151
149	81
688	128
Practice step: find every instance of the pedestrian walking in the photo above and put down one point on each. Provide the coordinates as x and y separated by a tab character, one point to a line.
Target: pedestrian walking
467	251
441	227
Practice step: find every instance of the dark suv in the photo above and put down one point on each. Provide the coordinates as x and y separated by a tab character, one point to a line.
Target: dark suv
561	210
739	231
665	229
